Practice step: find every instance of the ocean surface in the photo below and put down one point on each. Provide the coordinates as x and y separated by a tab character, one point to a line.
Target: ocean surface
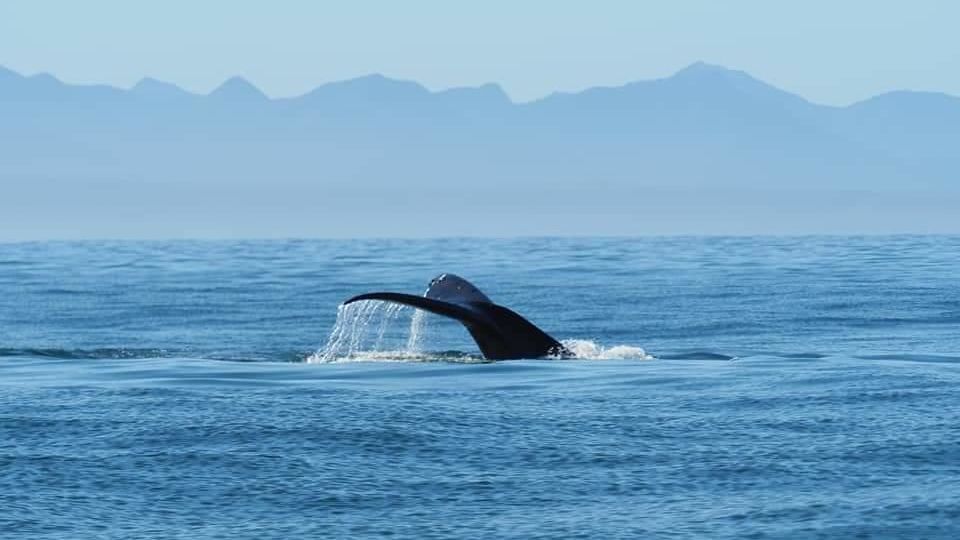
724	388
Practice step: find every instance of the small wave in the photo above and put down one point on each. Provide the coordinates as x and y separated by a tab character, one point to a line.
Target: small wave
582	349
457	357
86	354
914	357
585	349
696	355
133	353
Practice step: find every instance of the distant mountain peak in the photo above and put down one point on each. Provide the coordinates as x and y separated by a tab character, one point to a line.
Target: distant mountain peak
701	67
711	78
703	70
914	95
149	82
492	89
238	89
151	87
379	80
374	87
372	77
490	92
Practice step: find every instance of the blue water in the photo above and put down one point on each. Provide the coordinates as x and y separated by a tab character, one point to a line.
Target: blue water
795	388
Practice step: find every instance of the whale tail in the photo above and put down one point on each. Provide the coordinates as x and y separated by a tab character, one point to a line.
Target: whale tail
501	333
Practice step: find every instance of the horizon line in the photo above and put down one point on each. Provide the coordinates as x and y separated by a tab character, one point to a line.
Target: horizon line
638	236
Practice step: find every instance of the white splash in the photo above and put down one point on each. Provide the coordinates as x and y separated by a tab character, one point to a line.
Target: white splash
390	314
418	325
349	339
452	357
586	349
348	331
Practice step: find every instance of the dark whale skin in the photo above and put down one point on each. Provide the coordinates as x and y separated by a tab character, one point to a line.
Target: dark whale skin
501	333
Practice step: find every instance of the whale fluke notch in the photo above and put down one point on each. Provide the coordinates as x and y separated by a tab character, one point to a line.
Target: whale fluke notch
501	333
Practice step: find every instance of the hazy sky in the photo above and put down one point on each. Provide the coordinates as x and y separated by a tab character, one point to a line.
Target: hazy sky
832	51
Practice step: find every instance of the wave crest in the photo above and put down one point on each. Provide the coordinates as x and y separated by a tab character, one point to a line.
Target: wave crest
585	349
455	357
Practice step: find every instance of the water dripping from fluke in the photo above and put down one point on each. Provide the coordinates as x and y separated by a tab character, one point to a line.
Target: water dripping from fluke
362	331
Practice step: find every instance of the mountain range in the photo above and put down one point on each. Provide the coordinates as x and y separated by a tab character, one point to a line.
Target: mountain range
706	150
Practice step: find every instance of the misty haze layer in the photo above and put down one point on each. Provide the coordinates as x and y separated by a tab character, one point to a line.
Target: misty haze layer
708	150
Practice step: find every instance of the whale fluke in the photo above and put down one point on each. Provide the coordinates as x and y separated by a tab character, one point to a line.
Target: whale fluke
501	333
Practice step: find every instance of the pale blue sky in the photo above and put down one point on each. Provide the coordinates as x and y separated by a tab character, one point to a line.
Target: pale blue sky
832	52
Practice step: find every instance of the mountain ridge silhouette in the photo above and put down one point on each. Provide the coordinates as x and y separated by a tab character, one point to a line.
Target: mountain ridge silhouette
690	140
